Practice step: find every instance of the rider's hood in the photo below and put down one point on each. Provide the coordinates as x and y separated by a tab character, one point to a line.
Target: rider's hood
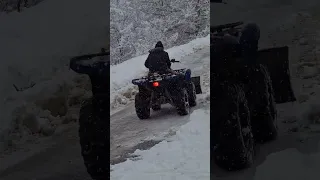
157	49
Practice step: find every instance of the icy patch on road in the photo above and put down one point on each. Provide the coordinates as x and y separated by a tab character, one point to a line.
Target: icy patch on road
185	157
122	91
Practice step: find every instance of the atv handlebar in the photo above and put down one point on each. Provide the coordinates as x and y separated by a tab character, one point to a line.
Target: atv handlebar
76	66
219	28
174	61
217	1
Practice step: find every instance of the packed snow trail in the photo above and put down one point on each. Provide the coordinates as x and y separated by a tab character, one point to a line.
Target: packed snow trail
122	91
184	156
126	128
58	157
294	24
297	147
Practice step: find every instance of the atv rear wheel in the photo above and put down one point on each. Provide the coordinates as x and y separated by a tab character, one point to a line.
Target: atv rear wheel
192	94
182	102
94	136
155	102
232	136
142	105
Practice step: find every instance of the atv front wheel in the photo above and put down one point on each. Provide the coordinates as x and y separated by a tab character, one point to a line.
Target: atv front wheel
182	102
94	135
262	104
232	137
192	94
142	105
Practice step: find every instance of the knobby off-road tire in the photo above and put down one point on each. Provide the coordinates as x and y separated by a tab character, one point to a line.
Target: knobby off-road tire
142	103
262	105
192	94
181	99
94	138
272	101
155	102
231	128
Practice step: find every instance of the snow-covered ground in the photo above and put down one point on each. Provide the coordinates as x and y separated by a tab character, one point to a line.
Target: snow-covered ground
290	164
185	156
35	47
122	90
295	154
127	133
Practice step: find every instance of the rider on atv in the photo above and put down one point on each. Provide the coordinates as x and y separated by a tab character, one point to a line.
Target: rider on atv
158	60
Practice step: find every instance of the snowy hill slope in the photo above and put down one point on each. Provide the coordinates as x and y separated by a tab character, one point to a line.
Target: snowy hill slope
137	25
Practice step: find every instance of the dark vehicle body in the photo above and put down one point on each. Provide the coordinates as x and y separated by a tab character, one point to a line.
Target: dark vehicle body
175	87
244	99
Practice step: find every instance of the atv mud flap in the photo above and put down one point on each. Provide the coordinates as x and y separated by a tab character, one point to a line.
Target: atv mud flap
277	62
197	84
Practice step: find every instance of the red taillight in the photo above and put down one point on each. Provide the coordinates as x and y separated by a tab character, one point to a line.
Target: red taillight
155	84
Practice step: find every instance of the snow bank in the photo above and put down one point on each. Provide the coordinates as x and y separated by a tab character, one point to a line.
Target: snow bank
289	164
303	115
184	157
36	46
121	88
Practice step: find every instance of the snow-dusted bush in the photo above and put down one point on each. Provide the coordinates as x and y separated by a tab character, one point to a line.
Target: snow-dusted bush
135	26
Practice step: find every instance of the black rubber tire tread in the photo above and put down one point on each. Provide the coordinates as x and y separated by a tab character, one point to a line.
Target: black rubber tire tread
231	130
94	136
142	106
192	94
155	102
261	104
272	101
181	98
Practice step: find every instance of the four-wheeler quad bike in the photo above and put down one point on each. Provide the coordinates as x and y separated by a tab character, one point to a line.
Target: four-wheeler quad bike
176	87
94	113
244	96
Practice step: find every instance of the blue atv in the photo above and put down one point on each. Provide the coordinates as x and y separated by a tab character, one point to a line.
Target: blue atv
175	87
247	84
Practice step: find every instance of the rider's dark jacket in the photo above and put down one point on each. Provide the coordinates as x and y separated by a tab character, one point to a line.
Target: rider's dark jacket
158	60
